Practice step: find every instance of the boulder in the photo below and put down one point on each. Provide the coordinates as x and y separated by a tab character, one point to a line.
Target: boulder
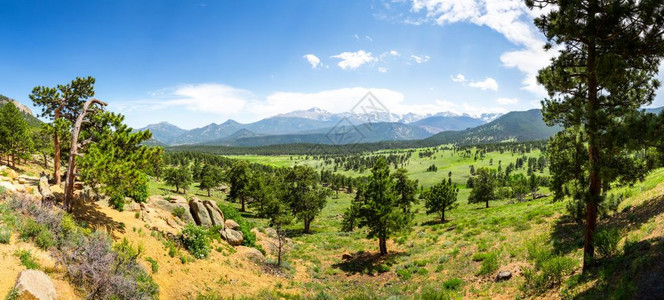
232	224
8	187
254	254
234	238
133	206
216	215
10	173
21	180
160	203
503	275
34	284
199	212
177	199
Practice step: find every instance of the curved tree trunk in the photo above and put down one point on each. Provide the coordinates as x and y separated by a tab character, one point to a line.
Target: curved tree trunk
71	171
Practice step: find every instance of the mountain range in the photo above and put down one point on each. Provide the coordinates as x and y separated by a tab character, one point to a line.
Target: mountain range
317	126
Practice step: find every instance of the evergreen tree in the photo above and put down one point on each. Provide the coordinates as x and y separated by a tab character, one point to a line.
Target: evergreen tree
406	189
210	177
239	178
377	207
62	105
484	186
440	198
609	53
15	138
305	197
179	177
114	159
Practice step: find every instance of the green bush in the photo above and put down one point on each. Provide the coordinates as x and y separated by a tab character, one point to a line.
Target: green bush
27	259
404	274
195	239
30	229
606	241
5	235
153	264
430	293
179	212
117	201
489	264
45	239
245	226
453	284
549	269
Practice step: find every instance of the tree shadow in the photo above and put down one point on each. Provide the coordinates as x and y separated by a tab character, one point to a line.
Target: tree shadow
435	222
637	273
90	213
365	262
567	235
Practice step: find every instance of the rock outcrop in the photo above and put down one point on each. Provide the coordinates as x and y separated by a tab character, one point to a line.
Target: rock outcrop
35	284
216	215
199	212
232	224
170	204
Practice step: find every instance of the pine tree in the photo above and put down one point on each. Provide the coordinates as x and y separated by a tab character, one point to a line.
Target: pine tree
62	105
609	53
210	177
377	207
15	138
484	186
239	177
406	189
305	197
440	198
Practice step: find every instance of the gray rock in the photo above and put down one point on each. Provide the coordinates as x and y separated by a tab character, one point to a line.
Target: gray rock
254	255
34	284
234	238
232	224
163	204
503	275
199	212
216	215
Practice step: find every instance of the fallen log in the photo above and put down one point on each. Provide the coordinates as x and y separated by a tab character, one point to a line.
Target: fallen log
48	199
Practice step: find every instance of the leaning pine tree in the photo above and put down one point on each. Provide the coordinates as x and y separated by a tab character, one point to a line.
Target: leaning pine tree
609	53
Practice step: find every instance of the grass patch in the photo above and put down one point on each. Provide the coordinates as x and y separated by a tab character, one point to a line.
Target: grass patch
27	259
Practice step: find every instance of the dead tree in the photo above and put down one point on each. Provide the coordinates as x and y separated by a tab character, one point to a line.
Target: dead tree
45	190
75	146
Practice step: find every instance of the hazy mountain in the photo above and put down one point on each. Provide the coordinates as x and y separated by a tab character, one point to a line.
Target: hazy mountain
164	132
513	126
346	134
437	124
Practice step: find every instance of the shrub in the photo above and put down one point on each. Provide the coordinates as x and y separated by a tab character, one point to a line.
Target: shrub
489	264
153	264
432	294
195	239
5	235
45	239
404	274
27	259
549	269
179	212
30	229
606	241
117	201
453	284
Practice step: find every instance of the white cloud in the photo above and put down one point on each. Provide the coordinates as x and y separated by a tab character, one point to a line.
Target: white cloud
420	59
219	102
368	38
382	69
313	60
510	18
353	60
458	78
507	101
486	84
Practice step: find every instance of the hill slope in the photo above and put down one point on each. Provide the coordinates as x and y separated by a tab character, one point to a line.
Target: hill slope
513	126
27	113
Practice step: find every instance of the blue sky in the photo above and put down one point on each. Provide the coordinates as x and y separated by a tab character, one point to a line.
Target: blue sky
196	62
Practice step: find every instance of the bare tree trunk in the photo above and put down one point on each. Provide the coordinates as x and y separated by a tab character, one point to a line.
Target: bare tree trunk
56	150
71	171
593	156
